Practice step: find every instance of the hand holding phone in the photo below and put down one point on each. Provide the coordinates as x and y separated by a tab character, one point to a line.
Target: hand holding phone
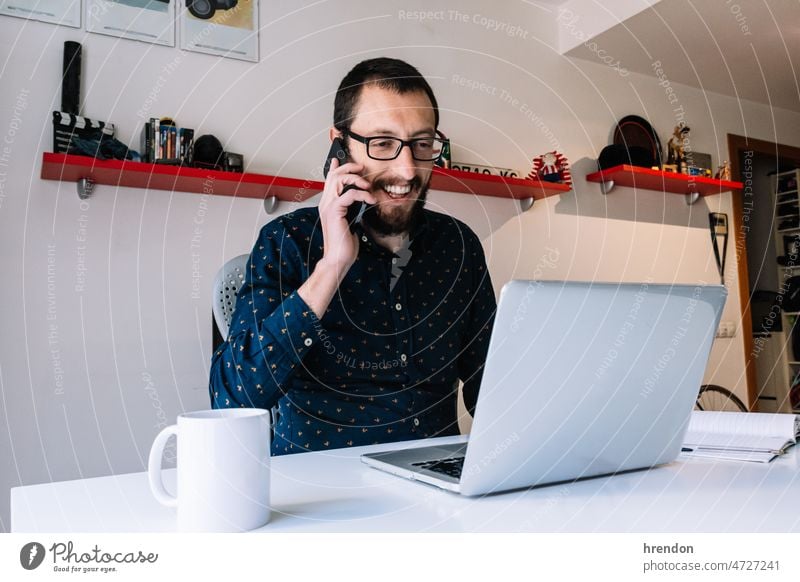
356	209
343	188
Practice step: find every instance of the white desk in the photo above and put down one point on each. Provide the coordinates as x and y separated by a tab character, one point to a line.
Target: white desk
333	491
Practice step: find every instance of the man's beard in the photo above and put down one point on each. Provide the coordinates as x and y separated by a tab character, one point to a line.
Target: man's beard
379	224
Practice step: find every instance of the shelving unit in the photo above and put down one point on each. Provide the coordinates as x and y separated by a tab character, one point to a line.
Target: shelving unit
692	187
785	195
87	172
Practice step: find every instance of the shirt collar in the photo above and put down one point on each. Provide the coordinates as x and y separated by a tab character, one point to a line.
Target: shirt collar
418	236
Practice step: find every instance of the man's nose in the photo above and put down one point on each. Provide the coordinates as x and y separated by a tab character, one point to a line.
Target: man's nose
404	164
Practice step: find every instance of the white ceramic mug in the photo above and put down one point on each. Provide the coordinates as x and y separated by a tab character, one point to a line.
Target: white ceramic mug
223	469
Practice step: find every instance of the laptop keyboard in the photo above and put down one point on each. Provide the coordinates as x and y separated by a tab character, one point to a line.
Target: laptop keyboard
451	466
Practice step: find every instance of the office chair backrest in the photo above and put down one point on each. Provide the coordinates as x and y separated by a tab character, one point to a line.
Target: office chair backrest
227	283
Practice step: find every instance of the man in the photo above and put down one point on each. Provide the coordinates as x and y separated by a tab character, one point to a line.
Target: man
361	336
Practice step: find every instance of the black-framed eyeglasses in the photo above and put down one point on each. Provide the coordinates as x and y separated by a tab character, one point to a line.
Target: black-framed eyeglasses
384	147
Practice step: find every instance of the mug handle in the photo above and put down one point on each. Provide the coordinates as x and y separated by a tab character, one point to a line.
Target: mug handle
154	467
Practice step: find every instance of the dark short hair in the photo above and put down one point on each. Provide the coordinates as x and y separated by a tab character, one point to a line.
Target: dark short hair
392	74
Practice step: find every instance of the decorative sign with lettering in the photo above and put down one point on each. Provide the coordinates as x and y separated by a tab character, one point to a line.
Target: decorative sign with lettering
490	170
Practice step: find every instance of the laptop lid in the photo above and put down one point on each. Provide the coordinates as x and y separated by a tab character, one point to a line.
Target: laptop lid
586	379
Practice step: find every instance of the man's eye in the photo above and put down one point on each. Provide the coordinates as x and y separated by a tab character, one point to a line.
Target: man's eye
384	143
425	144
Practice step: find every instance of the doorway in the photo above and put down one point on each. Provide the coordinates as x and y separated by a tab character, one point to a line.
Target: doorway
753	162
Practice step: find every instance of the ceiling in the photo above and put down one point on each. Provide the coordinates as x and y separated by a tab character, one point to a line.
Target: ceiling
748	49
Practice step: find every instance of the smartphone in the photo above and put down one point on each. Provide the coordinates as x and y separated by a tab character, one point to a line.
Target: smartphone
355	210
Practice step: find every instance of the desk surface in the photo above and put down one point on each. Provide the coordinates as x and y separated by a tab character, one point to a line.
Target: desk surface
332	491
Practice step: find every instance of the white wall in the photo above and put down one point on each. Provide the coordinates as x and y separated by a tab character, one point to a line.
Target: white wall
88	374
596	18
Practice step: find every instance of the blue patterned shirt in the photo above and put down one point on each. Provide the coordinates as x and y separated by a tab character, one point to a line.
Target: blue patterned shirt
383	363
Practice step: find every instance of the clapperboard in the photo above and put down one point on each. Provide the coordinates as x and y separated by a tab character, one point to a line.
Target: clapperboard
66	125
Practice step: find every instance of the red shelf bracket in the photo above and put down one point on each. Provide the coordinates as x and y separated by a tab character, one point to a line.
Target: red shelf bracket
85	187
271	204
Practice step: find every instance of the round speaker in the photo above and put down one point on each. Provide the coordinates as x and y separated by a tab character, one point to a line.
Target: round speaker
207	153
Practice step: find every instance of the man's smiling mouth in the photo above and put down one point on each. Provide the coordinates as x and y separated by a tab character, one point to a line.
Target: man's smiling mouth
397	192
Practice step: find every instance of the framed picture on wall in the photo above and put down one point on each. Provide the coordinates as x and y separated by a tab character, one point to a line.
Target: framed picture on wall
227	28
63	12
147	20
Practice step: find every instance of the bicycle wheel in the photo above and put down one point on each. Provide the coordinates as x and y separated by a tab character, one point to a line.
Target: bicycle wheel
713	397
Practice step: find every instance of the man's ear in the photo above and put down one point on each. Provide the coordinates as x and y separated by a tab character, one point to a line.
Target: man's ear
333	133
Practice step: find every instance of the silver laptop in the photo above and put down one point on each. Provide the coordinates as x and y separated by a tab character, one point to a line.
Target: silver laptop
581	380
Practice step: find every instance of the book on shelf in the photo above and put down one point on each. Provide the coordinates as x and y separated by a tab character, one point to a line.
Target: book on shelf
740	436
146	142
185	141
162	142
167	132
149	143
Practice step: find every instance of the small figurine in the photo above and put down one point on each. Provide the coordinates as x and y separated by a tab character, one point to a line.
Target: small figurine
677	143
551	167
724	171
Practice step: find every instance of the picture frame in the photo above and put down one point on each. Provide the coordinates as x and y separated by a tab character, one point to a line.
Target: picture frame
150	21
230	29
61	12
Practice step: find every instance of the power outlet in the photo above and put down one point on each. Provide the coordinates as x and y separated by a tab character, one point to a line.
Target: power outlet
727	329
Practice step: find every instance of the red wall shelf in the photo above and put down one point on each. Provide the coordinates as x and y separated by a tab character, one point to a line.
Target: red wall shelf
636	177
71	168
490	185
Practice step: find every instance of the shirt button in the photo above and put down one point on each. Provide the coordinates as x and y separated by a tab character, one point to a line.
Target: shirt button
416	422
398	307
308	341
394	261
364	238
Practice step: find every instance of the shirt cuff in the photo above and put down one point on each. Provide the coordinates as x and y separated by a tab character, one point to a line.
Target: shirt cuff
298	330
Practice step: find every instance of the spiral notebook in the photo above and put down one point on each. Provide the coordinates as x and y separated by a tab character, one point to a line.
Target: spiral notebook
740	436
